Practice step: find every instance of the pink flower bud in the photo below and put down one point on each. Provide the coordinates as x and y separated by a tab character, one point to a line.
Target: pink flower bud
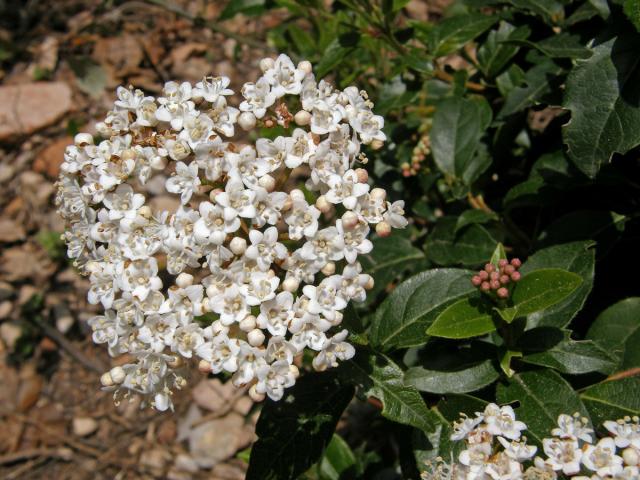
502	292
504	279
476	280
489	267
485	287
383	229
509	269
503	262
483	274
515	276
495	284
516	262
494	276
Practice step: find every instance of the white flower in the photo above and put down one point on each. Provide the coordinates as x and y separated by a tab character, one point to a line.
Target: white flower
140	277
334	350
258	97
464	426
261	288
123	203
355	240
625	432
264	248
284	77
187	339
275	314
237	199
562	455
572	427
215	223
210	88
274	378
268	206
158	331
602	459
302	220
502	421
326	245
175	104
368	126
394	215
346	189
518	451
185	181
326	298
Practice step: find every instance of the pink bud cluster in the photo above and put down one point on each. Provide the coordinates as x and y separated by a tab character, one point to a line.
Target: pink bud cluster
492	279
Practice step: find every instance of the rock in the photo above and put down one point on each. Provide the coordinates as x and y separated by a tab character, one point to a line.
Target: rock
29	390
11	231
26	108
6	291
84	426
155	460
26	293
217	440
49	160
6	172
10	333
243	405
228	471
185	463
26	261
120	55
213	395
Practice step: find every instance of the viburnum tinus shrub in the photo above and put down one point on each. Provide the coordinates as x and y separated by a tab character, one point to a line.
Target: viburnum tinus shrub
271	267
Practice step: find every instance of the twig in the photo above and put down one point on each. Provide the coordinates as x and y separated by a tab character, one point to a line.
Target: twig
22	469
444	76
94	452
67	346
632	372
31	453
211	25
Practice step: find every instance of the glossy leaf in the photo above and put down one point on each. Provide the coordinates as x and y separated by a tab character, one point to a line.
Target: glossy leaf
465	380
613	399
550	10
494	54
603	119
338	458
468	317
472	246
452	33
471	217
543	395
293	432
378	376
246	7
538	82
402	319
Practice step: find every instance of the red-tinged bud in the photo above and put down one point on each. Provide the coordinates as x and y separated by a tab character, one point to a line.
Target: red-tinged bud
489	267
509	269
494	284
504	279
515	276
502	292
485	287
516	262
406	173
503	262
483	274
494	276
476	280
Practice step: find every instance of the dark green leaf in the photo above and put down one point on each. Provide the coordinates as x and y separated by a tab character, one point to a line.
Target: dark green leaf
464	380
543	396
402	319
494	55
508	80
562	45
616	329
337	460
458	125
454	32
332	56
468	317
632	11
246	7
550	10
600	225
576	257
470	217
391	258
613	400
377	376
631	357
604	119
473	246
505	361
538	82
293	432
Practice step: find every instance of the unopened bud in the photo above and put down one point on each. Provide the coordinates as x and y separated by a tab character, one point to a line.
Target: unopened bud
184	280
630	457
503	262
248	323
82	139
175	362
247	121
502	292
362	175
476	280
267	182
509	269
378	194
288	203
377	144
294	370
145	211
489	267
117	374
494	276
329	269
255	396
266	64
238	245
323	204
296	195
383	229
515	276
516	262
495	284
302	118
204	366
483	274
106	380
485	287
291	284
370	283
255	337
349	220
305	66
214	193
504	279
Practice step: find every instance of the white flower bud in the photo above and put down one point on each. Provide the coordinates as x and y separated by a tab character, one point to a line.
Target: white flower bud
349	220
329	268
362	175
145	212
302	118
267	182
323	204
294	370
630	457
128	154
291	284
378	194
296	195
370	283
106	380
204	366
255	337
247	121
248	323
238	245
266	64
288	203
83	139
305	66
337	319
377	144
255	396
175	362
383	229
117	374
214	193
184	280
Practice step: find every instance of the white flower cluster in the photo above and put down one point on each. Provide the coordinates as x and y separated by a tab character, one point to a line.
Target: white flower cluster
496	450
272	268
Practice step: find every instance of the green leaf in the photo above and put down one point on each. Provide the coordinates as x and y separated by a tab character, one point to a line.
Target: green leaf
458	125
505	361
632	11
332	56
246	7
599	225
603	120
464	380
562	45
469	217
611	400
538	291
631	357
402	319
550	10
391	258
616	329
494	54
576	257
543	396
473	246
498	254
453	33
337	460
378	376
508	80
468	317
553	348
293	432
539	82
